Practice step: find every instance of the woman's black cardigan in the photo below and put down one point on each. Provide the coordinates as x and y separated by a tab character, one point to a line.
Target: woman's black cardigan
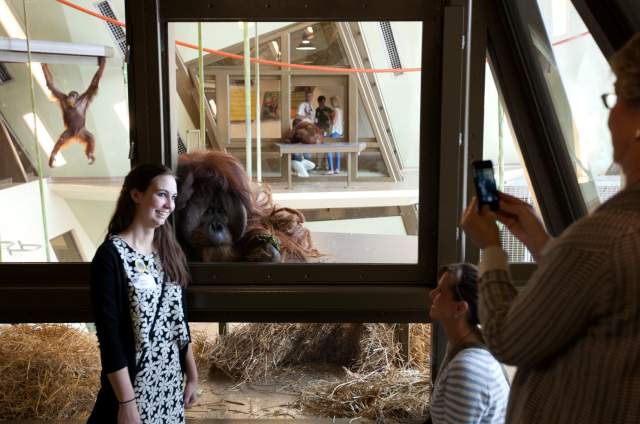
111	310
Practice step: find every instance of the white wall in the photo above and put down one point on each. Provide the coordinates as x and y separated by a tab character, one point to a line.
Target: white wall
388	225
216	35
400	93
491	127
21	221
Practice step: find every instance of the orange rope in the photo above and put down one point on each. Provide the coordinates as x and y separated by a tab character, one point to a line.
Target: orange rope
89	12
294	65
566	40
240	57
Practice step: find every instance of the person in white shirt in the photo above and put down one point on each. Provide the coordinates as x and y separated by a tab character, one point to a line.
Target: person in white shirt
301	163
306	112
337	128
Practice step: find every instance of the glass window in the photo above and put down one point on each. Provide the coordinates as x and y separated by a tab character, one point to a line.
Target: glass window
576	74
64	156
308	110
318	44
501	147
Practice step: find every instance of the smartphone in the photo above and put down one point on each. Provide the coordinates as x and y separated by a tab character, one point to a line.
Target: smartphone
485	182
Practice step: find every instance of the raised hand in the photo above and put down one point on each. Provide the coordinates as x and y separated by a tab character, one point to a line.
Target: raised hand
480	226
520	218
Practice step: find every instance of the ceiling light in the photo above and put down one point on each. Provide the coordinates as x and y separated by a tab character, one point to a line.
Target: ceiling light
305	44
305	47
276	47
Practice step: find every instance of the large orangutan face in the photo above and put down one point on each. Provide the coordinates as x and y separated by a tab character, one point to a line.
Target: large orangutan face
212	224
220	218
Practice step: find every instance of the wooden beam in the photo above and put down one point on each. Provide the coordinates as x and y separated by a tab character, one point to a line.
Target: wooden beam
46	51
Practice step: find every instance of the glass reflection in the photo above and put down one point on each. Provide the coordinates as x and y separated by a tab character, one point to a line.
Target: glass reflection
320	165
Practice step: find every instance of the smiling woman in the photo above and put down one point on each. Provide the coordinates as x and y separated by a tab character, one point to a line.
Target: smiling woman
137	280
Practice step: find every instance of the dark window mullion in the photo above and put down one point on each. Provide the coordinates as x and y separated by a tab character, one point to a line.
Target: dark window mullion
530	107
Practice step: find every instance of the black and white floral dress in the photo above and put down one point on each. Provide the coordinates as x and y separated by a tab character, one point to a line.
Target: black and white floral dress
158	383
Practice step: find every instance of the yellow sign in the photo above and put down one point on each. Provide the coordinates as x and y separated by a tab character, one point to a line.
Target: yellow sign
237	103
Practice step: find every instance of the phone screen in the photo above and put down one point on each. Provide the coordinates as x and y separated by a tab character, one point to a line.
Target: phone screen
485	183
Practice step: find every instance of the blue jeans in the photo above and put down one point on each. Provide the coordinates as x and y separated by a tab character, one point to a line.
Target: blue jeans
334	166
298	156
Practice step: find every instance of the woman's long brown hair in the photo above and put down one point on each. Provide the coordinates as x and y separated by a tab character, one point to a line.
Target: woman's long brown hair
173	259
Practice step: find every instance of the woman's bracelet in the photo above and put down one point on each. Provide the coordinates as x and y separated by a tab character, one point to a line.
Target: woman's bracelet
126	401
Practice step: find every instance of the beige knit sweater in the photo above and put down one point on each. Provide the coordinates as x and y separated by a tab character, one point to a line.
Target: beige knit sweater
574	331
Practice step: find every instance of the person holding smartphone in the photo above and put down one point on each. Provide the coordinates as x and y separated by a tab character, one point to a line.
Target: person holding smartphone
574	330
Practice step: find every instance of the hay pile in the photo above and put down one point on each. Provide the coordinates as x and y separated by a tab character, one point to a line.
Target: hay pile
376	384
202	348
256	352
47	372
393	395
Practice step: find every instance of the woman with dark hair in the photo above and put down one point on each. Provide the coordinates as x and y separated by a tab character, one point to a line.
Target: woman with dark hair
137	280
471	386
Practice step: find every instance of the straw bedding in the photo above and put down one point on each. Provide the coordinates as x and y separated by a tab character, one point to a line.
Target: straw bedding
376	382
47	372
52	371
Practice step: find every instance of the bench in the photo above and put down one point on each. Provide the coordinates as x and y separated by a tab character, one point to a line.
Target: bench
351	149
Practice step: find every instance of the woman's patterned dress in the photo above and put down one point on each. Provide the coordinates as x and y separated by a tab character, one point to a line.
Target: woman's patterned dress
158	383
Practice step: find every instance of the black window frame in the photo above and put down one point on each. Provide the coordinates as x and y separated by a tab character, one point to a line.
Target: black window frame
37	292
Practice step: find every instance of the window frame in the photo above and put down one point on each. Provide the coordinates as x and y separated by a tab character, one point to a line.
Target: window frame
37	292
532	113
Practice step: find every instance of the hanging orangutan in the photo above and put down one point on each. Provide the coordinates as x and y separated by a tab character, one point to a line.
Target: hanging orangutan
74	110
220	217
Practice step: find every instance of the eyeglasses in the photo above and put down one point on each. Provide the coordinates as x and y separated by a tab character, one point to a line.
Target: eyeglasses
609	100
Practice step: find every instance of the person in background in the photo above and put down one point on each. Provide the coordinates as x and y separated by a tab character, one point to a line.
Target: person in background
323	116
306	133
138	275
574	330
471	386
301	163
305	109
323	120
337	129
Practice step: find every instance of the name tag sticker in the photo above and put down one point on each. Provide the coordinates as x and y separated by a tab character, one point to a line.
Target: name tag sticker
145	281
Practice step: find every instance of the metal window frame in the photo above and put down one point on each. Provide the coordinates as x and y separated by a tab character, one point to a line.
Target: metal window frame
611	22
357	284
532	113
257	292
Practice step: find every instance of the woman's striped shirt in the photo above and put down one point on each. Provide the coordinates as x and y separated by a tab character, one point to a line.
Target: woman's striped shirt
470	388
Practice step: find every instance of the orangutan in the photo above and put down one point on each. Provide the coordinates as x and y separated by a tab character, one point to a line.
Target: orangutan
221	218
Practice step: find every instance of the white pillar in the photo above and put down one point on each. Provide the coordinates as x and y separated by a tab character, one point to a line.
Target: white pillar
247	96
258	111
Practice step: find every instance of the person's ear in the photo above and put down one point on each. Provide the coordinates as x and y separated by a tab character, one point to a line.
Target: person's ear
638	134
461	308
136	195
